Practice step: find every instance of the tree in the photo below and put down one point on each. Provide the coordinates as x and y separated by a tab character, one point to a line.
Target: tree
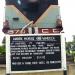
2	50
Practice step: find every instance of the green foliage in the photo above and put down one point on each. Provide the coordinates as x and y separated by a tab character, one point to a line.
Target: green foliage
2	50
70	51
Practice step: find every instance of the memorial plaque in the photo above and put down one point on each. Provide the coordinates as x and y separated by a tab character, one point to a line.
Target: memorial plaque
39	52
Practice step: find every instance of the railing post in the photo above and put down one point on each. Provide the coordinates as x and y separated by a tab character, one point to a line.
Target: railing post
65	72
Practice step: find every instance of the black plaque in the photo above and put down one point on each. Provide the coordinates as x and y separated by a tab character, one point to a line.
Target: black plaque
40	52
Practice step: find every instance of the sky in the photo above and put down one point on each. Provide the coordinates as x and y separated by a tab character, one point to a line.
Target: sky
67	11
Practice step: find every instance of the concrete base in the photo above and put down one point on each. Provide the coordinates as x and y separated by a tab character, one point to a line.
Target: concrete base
2	71
45	73
70	71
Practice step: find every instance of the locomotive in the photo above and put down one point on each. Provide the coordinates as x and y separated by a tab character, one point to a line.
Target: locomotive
32	16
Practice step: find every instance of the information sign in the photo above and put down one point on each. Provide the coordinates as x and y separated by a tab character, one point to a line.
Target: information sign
35	52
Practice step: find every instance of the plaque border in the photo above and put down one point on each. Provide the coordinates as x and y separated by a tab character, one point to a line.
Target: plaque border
8	56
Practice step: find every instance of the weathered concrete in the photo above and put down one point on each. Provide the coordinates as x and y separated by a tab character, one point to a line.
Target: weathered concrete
71	69
2	71
45	73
